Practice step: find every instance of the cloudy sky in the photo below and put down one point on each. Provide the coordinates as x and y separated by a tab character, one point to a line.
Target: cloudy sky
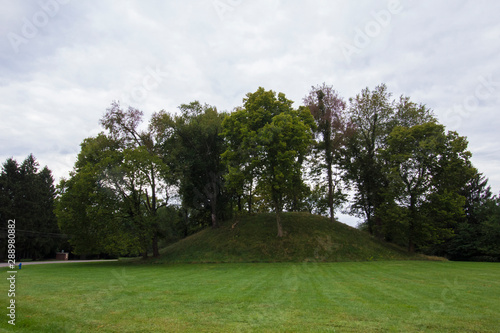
62	62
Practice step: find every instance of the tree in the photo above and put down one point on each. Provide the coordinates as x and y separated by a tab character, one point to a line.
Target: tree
89	211
240	133
418	158
27	195
142	179
332	128
192	147
476	237
285	141
408	113
371	114
10	181
374	115
490	231
268	140
119	180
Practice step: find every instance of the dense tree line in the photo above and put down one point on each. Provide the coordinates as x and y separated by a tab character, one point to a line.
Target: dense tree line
389	161
118	188
135	187
27	196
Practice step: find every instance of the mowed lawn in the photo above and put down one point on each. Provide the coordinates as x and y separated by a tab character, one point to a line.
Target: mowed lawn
399	296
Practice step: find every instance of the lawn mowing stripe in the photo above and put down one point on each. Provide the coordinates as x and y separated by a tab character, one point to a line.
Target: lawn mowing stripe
347	297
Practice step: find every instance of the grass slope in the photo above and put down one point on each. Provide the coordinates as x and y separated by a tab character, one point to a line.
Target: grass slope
307	238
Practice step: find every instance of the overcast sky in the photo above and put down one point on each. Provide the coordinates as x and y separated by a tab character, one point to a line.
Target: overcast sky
62	62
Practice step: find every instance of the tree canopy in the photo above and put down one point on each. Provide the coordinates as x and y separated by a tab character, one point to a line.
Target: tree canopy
135	187
27	196
268	140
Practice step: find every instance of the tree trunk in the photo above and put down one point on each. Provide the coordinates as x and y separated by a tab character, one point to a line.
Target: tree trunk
156	251
411	246
213	206
186	222
214	220
378	227
250	202
330	194
411	227
278	220
329	163
368	218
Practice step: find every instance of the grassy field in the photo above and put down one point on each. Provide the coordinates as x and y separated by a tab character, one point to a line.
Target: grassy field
383	296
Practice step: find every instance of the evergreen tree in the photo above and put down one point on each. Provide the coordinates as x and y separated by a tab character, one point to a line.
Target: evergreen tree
27	195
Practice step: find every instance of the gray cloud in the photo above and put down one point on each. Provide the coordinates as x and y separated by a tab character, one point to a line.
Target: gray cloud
58	81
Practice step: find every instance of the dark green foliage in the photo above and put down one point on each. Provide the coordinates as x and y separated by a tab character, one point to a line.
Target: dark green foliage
490	231
426	169
27	195
170	224
192	147
477	236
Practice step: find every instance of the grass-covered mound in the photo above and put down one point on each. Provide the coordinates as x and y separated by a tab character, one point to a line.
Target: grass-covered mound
307	238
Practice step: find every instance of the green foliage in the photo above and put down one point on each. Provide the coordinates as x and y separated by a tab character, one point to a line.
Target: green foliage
490	231
332	129
371	113
27	196
87	210
412	182
374	116
283	145
119	183
418	158
192	147
477	236
267	142
241	131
